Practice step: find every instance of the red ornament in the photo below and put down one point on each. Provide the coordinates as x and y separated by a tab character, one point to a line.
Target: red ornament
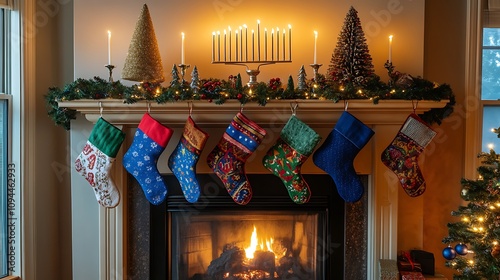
239	96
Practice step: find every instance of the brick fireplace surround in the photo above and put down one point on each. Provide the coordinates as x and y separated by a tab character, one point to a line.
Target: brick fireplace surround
100	235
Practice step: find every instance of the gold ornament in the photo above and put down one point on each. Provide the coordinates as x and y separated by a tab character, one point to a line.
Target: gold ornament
143	62
495	251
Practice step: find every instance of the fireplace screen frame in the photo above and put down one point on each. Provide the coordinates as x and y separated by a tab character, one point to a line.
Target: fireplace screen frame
343	245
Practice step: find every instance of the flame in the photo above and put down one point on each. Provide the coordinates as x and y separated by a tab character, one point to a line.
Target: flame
254	243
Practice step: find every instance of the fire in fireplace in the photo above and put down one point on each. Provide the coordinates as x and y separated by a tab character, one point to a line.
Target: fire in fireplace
270	238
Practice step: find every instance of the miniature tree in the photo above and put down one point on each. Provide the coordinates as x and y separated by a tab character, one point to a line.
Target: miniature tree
351	61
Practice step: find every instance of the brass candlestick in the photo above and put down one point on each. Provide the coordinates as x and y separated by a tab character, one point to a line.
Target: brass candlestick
315	68
390	71
183	67
110	68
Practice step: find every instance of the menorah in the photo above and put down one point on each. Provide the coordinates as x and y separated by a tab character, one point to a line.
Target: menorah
249	52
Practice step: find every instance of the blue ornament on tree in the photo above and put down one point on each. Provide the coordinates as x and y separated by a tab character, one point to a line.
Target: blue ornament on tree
461	249
449	253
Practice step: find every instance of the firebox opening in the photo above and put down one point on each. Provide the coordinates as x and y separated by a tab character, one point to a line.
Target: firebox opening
324	238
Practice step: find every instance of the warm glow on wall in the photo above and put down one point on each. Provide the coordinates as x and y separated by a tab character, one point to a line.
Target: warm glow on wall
200	21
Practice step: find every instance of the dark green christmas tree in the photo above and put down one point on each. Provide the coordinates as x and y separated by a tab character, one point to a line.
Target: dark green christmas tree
351	61
474	241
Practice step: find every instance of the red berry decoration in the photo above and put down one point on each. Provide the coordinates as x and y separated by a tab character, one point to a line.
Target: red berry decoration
239	96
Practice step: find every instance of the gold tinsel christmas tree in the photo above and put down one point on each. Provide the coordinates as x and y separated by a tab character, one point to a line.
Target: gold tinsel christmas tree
143	62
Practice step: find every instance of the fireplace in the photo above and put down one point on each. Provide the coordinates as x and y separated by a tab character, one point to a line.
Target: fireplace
270	238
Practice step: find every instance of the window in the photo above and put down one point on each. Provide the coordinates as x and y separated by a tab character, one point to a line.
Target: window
490	87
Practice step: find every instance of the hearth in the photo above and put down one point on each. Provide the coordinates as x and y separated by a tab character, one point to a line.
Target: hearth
270	238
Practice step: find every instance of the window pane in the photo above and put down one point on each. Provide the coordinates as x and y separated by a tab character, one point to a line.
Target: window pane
490	89
491	119
491	37
3	185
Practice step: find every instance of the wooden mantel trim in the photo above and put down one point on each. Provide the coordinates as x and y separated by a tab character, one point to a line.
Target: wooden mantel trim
313	112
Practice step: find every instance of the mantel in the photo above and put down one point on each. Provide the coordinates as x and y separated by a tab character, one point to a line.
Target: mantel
313	112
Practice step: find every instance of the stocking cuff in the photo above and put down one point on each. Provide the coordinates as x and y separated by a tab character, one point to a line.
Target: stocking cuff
106	137
245	133
418	130
353	130
155	130
194	135
300	136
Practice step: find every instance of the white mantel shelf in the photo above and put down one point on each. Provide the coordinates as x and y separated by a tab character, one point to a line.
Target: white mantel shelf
313	112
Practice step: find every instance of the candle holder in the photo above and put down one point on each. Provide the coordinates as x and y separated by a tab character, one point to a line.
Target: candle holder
110	68
252	73
315	68
183	68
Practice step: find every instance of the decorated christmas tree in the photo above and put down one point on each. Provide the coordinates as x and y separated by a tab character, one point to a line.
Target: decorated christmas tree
474	241
351	61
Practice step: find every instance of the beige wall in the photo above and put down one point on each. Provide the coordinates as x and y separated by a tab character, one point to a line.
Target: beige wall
54	67
422	221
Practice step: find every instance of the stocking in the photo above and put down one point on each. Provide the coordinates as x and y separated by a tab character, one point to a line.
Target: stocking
336	155
228	158
150	139
96	159
296	143
401	156
183	160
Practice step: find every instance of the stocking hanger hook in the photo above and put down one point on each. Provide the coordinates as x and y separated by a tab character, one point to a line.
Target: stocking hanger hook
293	107
414	104
149	106
190	106
346	105
100	108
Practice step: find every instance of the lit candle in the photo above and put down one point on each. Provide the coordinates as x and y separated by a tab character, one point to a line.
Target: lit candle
272	44
182	48
218	45
277	43
290	42
390	49
246	41
315	43
229	27
109	47
241	44
213	46
265	45
236	52
283	43
225	49
258	40
253	39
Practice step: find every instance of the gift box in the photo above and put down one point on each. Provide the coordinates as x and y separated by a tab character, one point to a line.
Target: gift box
411	275
409	266
426	259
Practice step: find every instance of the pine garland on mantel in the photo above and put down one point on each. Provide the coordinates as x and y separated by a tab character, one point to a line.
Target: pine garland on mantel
219	90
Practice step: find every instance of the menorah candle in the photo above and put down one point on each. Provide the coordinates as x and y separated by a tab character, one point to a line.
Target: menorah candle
213	46
230	45
225	49
272	44
290	42
236	51
283	45
258	39
265	45
218	45
277	43
246	41
241	44
253	39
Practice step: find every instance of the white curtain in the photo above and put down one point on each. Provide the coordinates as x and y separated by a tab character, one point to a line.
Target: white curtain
6	4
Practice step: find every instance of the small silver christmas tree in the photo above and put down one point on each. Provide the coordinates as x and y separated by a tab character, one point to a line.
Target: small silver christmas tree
301	80
195	80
